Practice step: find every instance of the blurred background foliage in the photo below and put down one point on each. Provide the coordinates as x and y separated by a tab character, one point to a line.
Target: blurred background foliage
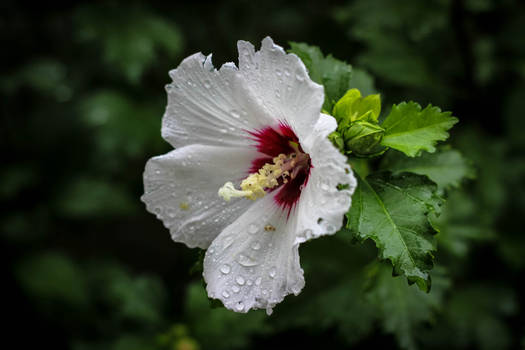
86	267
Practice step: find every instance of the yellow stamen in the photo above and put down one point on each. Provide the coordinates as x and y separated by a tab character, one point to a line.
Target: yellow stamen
255	185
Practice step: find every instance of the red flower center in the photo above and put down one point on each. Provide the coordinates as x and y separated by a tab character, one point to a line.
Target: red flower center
282	140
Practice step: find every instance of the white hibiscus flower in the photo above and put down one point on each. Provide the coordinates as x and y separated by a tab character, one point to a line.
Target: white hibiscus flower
253	174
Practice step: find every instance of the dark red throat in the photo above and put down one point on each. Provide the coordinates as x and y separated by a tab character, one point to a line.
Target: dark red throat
273	141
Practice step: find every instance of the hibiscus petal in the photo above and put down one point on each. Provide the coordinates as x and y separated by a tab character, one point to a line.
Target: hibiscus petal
181	189
280	83
322	206
254	262
209	106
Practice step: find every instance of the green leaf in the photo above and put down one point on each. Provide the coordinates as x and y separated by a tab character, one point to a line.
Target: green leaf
129	43
459	224
332	73
53	279
352	107
392	211
402	308
362	81
211	325
412	130
476	315
447	168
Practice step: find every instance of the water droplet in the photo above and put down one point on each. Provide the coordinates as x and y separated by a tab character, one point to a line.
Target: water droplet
256	245
211	251
239	306
299	77
330	228
225	294
258	281
278	72
170	212
277	94
225	269
324	185
240	280
308	233
253	228
246	260
224	131
157	210
207	84
272	272
287	72
236	289
249	282
235	113
228	240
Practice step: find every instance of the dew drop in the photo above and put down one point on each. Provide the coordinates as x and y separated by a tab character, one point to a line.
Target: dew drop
170	212
258	281
299	77
240	280
225	294
239	306
287	72
235	113
330	228
207	84
249	282
253	228
236	289
225	269
272	272
278	72
256	245
246	260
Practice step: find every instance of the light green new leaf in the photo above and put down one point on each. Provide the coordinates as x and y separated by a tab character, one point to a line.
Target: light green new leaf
332	73
352	107
410	129
447	168
392	211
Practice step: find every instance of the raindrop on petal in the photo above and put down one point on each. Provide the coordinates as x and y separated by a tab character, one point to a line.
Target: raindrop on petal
272	272
225	269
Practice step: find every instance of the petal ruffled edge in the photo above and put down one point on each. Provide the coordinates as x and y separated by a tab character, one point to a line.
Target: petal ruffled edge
322	205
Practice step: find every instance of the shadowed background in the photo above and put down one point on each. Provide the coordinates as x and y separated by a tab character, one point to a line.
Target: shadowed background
86	267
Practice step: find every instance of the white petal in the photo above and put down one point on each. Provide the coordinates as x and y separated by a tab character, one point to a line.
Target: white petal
322	206
281	84
181	189
254	262
209	106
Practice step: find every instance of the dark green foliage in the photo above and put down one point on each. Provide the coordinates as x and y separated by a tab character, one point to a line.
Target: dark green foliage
87	268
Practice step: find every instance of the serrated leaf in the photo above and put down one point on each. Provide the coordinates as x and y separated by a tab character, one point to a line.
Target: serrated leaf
411	130
403	308
447	168
332	73
392	211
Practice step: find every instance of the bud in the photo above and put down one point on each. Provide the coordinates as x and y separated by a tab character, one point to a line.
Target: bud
363	138
358	131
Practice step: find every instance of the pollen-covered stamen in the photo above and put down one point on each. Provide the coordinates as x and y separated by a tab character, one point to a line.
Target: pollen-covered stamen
269	176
